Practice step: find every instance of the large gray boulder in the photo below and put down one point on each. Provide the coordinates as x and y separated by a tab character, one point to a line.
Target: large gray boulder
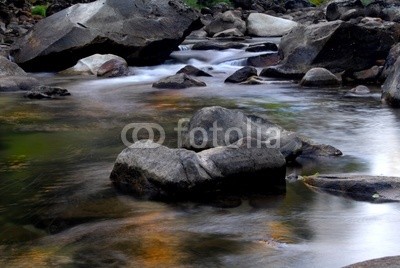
13	78
391	87
152	171
142	32
264	25
216	126
337	46
358	187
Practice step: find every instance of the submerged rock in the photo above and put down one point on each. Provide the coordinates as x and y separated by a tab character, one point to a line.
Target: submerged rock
241	75
358	187
46	92
91	65
264	25
191	70
178	81
152	171
142	32
319	77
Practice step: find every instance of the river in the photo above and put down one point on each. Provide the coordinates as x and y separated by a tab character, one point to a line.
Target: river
59	209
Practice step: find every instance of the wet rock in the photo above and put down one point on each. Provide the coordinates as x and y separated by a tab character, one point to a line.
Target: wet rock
241	75
90	65
337	9
337	46
259	24
152	171
319	77
391	87
224	127
358	91
229	33
312	150
264	60
210	45
388	68
263	47
142	32
358	187
113	68
178	81
387	262
193	71
46	92
227	20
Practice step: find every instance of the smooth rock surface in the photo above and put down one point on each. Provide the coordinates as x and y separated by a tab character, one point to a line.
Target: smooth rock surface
263	25
319	77
152	171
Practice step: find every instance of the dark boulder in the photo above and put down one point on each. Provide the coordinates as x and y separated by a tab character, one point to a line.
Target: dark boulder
193	71
46	92
152	171
358	187
241	75
391	87
178	81
142	32
337	46
391	59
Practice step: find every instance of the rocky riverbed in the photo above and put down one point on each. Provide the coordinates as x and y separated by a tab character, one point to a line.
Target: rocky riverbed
310	74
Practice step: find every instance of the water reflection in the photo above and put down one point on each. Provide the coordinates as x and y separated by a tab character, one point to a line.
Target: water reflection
58	207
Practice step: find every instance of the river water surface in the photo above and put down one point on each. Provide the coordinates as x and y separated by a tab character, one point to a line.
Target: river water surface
59	209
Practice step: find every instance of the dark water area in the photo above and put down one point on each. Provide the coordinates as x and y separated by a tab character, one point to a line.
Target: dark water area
59	209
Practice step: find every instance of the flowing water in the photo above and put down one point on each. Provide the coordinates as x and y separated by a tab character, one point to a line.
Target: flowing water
59	209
